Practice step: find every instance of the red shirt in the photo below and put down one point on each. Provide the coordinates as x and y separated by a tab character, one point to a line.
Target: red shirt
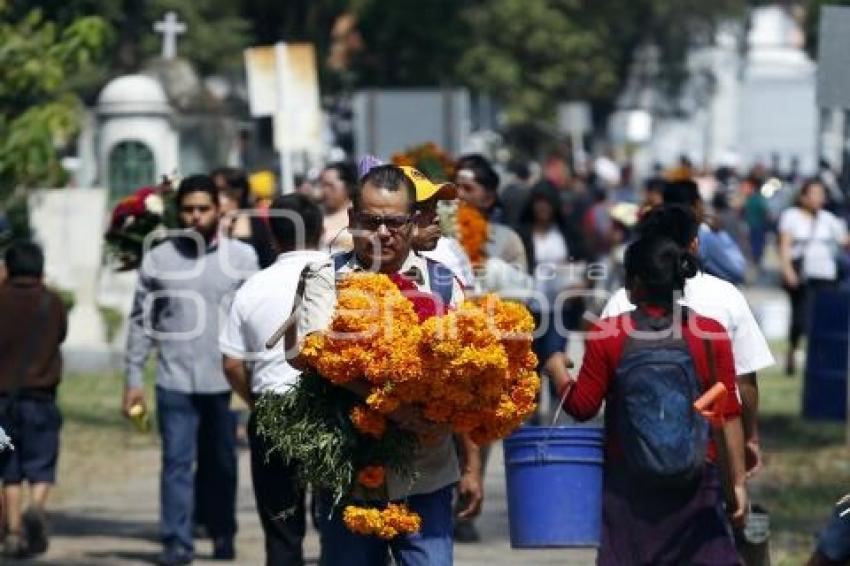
602	355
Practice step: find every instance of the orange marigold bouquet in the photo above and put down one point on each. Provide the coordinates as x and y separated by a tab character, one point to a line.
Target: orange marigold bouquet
429	158
468	225
471	368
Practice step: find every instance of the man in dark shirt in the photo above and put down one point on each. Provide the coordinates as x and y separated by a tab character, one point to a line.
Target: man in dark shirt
30	370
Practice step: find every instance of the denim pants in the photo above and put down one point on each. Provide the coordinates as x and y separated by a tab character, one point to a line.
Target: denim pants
196	427
431	546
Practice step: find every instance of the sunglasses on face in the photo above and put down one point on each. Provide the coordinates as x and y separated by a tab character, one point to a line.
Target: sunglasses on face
189	209
372	222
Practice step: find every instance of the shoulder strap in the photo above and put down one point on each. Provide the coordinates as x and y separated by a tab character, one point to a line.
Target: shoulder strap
287	328
712	364
340	259
441	280
812	233
28	350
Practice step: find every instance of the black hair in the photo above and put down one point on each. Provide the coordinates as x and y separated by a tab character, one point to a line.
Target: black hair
550	195
805	188
24	258
654	185
389	177
657	267
481	169
237	184
197	184
347	173
683	192
808	184
520	169
286	228
720	201
673	221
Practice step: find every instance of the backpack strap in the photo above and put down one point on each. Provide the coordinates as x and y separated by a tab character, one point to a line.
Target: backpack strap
712	363
441	280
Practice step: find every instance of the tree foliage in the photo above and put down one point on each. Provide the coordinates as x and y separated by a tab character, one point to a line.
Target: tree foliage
532	53
216	36
529	54
536	53
39	110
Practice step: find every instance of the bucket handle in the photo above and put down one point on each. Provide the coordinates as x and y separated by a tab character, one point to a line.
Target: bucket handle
542	446
560	408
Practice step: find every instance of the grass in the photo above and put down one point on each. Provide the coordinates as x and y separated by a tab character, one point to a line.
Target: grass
97	441
806	469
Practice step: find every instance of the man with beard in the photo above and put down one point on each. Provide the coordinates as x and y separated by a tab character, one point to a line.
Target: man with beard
183	285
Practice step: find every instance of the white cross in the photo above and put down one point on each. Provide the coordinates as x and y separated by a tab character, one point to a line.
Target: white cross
170	28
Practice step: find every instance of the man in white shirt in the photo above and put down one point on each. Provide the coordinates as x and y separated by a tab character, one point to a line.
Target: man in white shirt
714	298
253	370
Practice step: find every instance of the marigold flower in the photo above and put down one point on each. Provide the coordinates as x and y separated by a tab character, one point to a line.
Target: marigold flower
472	232
368	422
382	401
400	518
387	524
362	520
472	369
371	476
438	412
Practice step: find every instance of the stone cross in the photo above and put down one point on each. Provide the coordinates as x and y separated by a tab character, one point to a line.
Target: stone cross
170	28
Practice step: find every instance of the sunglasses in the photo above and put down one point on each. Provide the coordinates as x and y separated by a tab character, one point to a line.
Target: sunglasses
372	222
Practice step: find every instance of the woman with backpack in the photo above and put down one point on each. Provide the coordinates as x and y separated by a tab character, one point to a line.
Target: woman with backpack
662	499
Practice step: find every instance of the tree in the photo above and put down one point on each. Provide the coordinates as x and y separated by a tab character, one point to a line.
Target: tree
532	53
411	43
39	111
217	32
536	53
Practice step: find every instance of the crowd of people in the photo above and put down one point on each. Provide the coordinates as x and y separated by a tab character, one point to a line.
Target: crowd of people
665	259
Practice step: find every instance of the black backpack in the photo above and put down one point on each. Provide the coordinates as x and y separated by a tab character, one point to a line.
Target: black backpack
664	440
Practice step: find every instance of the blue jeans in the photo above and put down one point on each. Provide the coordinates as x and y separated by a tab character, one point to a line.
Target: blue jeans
196	427
431	546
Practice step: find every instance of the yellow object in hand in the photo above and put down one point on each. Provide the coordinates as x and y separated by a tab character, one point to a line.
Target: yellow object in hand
139	417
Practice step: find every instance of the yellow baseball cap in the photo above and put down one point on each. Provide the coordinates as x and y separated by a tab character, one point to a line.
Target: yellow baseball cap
425	189
262	184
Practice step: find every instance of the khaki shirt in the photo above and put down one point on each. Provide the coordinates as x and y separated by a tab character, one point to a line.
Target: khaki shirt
436	465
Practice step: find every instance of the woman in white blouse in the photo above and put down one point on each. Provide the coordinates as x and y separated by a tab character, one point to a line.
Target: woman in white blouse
810	240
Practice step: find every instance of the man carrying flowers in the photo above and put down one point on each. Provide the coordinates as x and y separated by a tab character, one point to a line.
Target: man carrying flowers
381	223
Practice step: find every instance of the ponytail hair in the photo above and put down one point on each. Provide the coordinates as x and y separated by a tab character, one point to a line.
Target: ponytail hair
657	267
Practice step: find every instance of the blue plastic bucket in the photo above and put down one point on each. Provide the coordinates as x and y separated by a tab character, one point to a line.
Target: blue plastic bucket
825	386
554	485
